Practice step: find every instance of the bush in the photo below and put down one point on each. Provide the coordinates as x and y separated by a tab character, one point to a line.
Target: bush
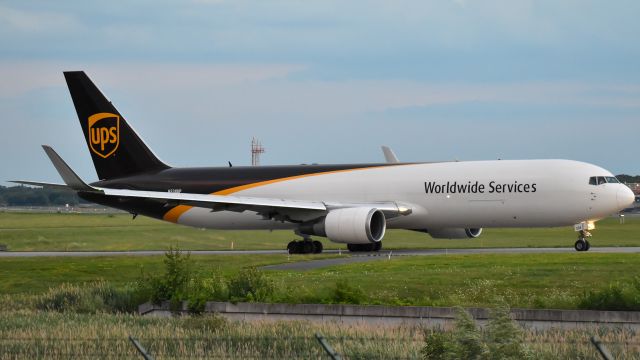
615	297
250	284
91	298
502	339
345	293
179	282
172	284
504	336
438	345
467	337
202	289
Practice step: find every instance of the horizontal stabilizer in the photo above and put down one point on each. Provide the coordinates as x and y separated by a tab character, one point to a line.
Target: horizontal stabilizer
68	175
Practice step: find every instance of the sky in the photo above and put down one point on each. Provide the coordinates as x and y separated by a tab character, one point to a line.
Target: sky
326	81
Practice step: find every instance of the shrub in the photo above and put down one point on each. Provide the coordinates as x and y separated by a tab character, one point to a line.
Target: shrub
201	289
614	297
250	284
502	339
171	285
504	336
467	337
345	293
437	345
89	298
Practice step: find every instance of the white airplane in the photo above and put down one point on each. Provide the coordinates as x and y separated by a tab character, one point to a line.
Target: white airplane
349	204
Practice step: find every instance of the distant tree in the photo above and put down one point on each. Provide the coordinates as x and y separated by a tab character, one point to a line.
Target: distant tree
628	178
30	196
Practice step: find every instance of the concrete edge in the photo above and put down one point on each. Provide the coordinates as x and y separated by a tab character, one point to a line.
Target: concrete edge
409	312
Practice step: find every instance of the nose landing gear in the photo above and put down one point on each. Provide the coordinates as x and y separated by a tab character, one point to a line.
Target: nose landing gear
582	244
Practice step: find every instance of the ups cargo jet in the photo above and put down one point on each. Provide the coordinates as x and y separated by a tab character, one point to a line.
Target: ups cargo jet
350	204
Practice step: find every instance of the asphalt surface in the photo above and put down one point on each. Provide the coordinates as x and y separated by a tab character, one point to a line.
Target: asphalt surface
315	264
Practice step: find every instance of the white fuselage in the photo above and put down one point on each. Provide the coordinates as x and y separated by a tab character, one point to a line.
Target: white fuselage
503	193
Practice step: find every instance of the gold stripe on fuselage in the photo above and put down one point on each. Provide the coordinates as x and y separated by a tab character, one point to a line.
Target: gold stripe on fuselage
174	214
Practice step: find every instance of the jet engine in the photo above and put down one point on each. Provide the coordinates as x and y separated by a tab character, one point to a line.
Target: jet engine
455	233
358	225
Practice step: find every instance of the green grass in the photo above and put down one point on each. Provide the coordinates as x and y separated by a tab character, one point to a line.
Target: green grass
64	232
35	275
530	281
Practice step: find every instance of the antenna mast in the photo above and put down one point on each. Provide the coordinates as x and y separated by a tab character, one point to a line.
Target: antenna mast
256	150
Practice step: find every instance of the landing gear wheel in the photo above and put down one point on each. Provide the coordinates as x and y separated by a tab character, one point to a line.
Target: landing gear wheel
377	246
584	233
317	247
307	247
304	247
292	247
365	247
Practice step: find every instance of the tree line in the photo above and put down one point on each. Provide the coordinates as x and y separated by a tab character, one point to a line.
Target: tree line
30	196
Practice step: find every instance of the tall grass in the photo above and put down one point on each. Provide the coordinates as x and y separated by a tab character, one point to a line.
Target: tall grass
56	335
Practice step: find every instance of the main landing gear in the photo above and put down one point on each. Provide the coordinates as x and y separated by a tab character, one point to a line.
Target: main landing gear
376	246
305	246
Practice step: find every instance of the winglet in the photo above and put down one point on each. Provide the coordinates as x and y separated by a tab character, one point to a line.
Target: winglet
389	156
68	175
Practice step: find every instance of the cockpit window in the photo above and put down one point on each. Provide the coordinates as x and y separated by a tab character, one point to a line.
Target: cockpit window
612	180
599	180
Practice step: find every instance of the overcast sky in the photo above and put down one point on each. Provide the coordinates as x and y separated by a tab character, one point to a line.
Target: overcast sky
326	81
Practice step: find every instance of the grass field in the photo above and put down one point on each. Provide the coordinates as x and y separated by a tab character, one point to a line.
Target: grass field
521	280
529	281
35	275
64	232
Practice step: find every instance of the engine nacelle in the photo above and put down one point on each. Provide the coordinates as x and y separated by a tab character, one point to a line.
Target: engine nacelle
359	225
455	233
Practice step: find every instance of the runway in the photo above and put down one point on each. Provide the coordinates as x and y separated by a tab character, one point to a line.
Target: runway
382	254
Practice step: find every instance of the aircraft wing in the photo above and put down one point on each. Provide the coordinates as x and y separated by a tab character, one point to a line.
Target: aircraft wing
42	184
271	208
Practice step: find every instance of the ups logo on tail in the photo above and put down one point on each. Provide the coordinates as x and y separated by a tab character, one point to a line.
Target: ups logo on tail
104	133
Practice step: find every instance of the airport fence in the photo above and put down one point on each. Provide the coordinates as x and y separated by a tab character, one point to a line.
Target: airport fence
291	347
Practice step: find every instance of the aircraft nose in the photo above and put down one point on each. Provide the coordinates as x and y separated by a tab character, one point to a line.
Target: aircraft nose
625	197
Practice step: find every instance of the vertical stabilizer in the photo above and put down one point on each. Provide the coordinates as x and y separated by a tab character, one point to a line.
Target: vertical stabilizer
116	150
